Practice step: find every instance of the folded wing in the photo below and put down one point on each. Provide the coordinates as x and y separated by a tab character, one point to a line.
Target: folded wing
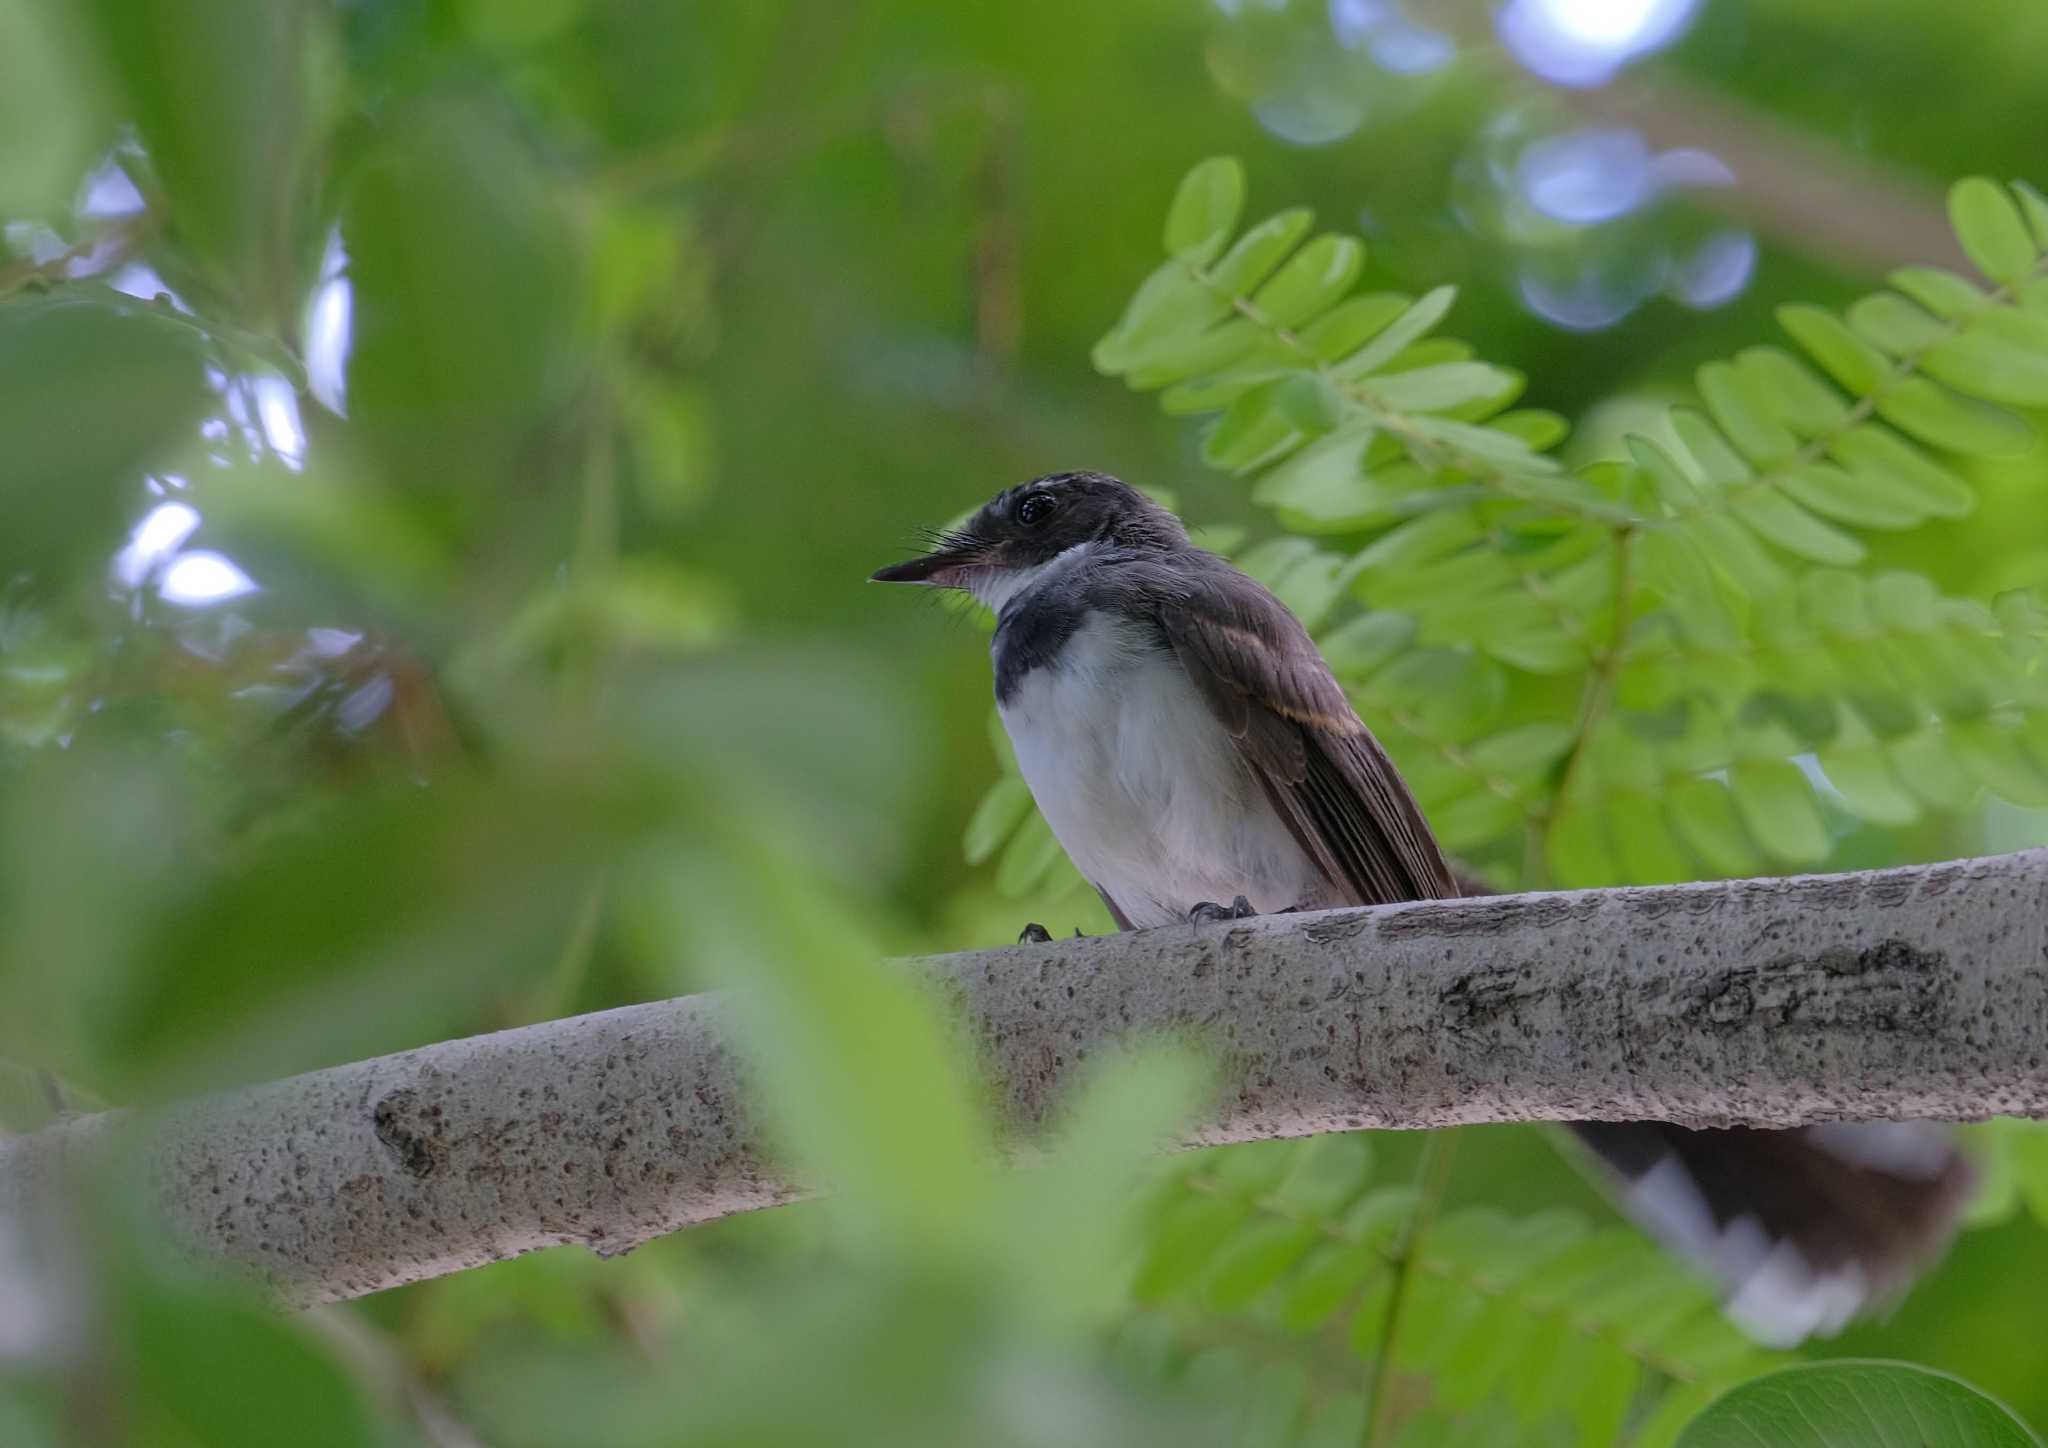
1330	780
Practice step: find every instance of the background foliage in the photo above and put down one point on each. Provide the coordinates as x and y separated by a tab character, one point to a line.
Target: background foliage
444	441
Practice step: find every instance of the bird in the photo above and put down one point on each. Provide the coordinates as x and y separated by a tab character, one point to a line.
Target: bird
1196	758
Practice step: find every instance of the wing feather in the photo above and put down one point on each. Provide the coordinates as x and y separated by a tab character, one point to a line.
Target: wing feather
1334	786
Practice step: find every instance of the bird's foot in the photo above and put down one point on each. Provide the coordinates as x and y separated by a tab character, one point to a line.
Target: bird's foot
1036	934
1209	911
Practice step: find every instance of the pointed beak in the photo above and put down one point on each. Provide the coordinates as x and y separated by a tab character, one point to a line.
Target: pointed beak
941	568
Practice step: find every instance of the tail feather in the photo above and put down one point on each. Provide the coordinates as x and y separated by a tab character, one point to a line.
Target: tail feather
1805	1228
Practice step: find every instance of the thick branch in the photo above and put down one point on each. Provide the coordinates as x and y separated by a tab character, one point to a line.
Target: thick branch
1904	993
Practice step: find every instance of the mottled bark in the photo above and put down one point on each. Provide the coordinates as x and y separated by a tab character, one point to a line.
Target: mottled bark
1894	994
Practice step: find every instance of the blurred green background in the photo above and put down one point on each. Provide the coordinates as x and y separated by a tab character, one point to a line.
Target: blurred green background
444	445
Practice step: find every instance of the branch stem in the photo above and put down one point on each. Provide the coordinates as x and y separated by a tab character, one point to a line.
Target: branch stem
1432	1174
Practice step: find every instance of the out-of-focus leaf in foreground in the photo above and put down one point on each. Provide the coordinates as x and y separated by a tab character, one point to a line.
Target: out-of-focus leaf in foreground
90	393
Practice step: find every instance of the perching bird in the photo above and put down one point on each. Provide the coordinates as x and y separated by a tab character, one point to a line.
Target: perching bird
1197	760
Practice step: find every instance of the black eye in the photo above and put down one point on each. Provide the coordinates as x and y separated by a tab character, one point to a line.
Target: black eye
1036	508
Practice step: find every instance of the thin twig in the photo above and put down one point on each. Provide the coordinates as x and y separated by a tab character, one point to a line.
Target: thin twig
1431	1174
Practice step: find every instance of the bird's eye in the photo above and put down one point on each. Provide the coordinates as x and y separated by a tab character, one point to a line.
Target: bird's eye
1036	508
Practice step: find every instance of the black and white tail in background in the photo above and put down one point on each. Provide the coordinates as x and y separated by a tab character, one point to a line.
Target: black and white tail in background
1805	1228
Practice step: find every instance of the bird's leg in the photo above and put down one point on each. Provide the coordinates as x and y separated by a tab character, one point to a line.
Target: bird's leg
1209	911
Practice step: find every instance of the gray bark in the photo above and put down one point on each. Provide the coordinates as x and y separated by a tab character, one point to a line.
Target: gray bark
1915	993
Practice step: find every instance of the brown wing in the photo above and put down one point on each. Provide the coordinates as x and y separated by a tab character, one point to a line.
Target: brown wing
1334	786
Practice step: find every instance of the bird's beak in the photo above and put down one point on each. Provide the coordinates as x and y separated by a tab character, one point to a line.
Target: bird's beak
941	568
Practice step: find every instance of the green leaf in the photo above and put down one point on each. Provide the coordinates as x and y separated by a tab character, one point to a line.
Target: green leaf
1307	400
1524	749
1361	645
669	429
1979	363
1792	528
1896	325
1743	412
91	393
1856	1404
1930	768
1872	501
1733	551
216	90
1865	778
998	813
1643	845
1942	292
1183	1241
1254	1259
1800	400
1352	323
1031	854
1411	325
1275	1406
447	219
1256	429
1324	489
1946	418
1991	230
1314	278
1327	1173
1166	315
288	1388
2036	208
1232	354
1721	465
1504	450
1881	458
1777	804
1847	358
1578	851
1325	1281
1205	209
1533	427
1453	384
1257	252
52	117
2001	759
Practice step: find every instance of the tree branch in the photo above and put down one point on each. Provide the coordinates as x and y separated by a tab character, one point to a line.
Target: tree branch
1920	992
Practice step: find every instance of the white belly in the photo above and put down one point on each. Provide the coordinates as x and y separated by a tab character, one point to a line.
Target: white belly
1143	787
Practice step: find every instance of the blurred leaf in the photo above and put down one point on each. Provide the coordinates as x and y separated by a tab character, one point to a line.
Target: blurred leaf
90	394
1205	209
219	94
51	120
455	892
1990	228
1853	1404
995	817
212	1367
901	1136
465	289
670	429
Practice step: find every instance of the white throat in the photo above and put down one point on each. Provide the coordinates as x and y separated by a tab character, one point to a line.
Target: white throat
996	587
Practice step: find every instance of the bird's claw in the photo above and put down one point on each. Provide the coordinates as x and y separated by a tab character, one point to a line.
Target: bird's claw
1034	934
1208	912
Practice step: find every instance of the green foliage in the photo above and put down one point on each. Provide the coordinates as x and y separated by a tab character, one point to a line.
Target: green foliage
1637	670
1640	670
92	390
557	688
1857	1405
1263	1259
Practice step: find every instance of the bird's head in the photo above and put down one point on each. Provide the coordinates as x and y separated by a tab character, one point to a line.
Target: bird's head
1021	529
